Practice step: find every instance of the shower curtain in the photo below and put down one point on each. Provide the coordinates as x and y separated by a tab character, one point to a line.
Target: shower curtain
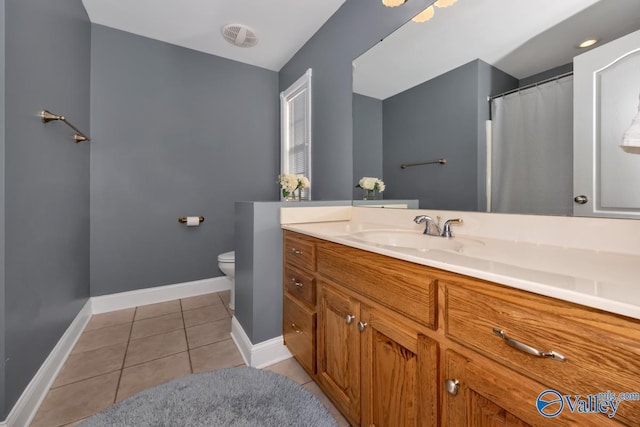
532	150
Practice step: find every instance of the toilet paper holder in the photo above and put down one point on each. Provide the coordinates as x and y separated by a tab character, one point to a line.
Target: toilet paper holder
183	219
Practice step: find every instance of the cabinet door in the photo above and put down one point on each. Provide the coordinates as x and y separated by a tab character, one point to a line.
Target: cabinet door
489	394
399	372
339	351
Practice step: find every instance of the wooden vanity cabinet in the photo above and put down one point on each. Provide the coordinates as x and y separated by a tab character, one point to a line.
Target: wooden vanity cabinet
373	359
299	301
400	344
377	368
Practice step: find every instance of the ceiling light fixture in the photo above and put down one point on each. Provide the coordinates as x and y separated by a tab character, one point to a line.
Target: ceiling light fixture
587	43
393	3
425	15
428	13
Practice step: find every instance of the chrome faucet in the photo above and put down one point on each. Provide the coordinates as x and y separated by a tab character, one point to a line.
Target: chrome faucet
432	228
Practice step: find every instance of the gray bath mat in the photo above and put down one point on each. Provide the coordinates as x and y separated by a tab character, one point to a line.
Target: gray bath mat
226	397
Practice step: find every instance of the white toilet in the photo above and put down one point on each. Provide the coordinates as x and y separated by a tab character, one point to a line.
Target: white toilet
227	264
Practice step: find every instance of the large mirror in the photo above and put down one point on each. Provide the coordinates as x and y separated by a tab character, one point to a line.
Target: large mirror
421	110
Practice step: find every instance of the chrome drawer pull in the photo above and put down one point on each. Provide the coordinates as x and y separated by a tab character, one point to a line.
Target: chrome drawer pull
349	318
527	348
362	326
296	251
295	328
295	282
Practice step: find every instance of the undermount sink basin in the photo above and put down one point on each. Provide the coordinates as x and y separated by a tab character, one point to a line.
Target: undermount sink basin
411	240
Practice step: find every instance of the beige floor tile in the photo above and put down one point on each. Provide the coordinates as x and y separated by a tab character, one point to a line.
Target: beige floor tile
204	315
155	347
292	369
200	301
110	319
75	401
315	390
80	366
150	374
224	296
104	337
208	333
156	325
159	309
223	354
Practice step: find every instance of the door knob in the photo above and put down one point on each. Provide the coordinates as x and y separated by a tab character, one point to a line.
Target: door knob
349	318
581	199
362	325
452	386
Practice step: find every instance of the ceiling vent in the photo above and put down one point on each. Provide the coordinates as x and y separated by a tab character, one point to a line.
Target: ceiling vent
239	35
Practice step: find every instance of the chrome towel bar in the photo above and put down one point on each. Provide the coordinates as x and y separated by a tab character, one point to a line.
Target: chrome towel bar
429	162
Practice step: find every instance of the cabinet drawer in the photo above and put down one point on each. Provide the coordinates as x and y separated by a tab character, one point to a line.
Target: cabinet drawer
300	285
399	285
600	348
299	331
299	251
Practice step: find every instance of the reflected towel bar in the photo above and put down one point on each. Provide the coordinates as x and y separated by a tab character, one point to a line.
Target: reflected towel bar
48	116
430	162
183	219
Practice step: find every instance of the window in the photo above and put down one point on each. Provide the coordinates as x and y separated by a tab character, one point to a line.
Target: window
295	116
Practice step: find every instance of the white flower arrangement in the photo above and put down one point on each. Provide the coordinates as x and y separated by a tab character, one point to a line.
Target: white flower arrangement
289	183
370	185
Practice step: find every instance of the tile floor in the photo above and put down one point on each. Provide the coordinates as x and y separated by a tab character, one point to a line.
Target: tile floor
123	352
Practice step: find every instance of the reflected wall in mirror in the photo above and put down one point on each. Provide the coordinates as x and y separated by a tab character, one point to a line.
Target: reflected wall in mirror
422	94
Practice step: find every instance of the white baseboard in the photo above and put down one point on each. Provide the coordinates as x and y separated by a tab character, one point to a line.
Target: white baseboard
259	355
123	300
27	405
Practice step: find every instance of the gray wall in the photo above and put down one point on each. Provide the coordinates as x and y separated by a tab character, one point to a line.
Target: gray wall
548	74
259	266
2	206
353	29
441	118
367	139
175	132
46	200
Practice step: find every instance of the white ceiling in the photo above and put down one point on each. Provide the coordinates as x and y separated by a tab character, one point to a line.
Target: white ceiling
520	37
282	26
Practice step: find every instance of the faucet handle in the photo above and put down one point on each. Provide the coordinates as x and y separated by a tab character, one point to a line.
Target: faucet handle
446	229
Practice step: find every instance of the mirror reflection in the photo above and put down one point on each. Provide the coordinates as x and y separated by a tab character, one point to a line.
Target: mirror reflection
421	95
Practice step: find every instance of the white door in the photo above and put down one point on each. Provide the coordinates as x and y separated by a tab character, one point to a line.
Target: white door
606	179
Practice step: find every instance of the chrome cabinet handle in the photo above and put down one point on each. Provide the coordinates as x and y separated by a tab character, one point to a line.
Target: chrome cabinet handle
452	386
296	283
295	328
362	325
349	318
296	251
527	348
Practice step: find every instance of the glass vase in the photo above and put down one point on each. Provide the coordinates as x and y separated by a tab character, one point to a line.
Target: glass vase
369	195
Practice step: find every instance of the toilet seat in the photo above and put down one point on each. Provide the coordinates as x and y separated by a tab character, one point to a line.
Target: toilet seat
227	257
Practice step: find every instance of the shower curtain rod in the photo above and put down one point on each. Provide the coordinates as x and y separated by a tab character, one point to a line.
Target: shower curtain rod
491	98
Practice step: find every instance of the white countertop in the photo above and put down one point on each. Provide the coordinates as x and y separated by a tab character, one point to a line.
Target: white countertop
604	280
